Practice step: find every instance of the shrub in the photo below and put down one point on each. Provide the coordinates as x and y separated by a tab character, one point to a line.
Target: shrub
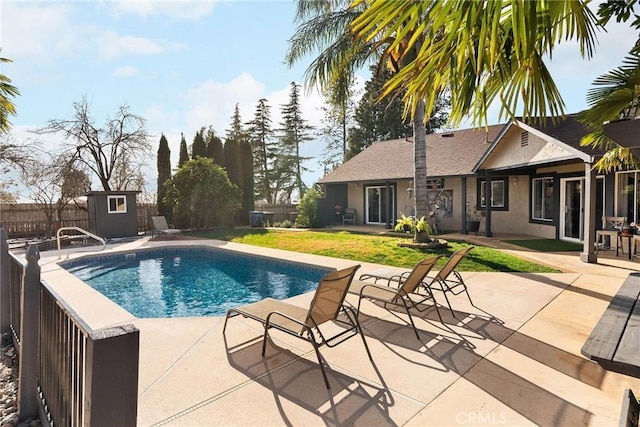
308	208
201	195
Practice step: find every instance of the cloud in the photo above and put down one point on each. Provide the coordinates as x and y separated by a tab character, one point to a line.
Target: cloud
112	45
181	10
43	33
38	31
212	103
126	71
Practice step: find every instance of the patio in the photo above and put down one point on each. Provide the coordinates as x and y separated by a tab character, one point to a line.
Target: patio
515	360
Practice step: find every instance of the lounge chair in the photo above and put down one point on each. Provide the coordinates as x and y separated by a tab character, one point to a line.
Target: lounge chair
160	226
445	283
327	304
407	293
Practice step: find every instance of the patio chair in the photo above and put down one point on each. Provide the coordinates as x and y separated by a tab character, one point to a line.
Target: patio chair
611	227
349	216
406	295
327	304
161	227
445	283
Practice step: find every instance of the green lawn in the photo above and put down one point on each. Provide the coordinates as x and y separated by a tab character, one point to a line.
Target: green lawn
372	248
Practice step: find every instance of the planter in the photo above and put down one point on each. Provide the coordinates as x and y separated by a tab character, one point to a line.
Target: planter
473	226
422	237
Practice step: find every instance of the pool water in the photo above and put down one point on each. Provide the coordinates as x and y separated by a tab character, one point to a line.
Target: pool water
191	282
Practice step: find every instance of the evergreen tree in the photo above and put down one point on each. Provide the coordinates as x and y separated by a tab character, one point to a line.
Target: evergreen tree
215	150
261	133
338	118
184	154
239	164
377	120
164	173
199	146
294	132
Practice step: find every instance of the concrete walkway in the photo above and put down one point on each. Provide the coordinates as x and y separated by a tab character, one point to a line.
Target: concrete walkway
513	359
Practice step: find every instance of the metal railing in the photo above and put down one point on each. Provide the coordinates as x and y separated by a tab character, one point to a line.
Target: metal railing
84	232
68	372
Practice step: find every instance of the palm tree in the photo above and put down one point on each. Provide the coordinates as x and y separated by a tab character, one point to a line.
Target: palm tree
480	51
616	95
7	91
327	28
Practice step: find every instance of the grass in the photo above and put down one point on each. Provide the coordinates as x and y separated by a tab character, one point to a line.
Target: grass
372	248
546	245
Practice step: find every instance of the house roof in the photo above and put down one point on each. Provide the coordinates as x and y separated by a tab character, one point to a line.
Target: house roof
569	131
566	133
452	153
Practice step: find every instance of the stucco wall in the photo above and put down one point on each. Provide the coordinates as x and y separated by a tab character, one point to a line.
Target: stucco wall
513	221
355	199
510	153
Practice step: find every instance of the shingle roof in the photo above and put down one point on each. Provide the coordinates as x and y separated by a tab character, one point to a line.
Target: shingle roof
570	131
452	153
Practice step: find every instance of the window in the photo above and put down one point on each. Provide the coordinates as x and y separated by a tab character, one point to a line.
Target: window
435	184
628	195
117	204
542	199
498	194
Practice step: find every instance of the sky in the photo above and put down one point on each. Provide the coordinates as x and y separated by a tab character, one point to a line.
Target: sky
183	65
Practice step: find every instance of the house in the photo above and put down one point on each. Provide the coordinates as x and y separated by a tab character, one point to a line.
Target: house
541	182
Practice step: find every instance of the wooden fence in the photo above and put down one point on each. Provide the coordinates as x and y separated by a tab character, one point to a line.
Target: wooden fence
27	219
69	374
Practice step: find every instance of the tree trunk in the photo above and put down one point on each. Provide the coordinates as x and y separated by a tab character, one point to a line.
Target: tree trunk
420	162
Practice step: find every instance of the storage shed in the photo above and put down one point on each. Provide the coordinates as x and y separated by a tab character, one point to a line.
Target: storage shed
113	213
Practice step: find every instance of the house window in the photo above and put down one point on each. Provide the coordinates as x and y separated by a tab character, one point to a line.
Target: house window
542	199
435	184
117	204
628	195
524	139
498	194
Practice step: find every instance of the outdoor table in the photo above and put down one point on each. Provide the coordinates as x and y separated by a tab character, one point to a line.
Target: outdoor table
622	235
614	343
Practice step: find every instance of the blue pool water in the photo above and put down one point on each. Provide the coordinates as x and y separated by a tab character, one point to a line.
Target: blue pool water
191	282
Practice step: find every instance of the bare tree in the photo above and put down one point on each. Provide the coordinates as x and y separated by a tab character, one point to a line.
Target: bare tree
13	154
52	184
118	148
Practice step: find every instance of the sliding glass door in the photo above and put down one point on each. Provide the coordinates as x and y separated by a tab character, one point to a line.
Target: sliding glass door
376	201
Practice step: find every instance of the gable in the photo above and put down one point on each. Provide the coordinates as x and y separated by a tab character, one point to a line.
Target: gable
550	143
513	152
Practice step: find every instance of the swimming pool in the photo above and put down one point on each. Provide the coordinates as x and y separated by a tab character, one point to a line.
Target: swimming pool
191	282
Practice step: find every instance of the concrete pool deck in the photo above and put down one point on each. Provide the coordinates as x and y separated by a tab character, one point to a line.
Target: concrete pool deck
513	360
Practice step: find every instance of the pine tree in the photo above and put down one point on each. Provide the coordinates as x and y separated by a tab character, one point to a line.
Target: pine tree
376	119
164	173
338	118
184	154
199	146
239	164
294	132
261	133
215	150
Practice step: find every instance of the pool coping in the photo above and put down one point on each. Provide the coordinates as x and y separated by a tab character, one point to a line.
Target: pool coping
98	311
